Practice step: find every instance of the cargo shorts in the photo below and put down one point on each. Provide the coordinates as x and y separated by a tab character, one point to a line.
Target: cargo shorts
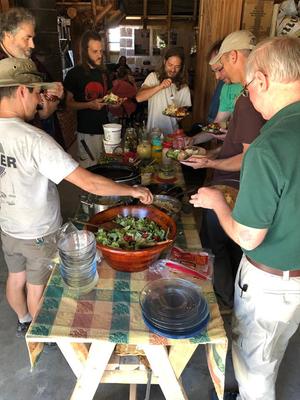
31	255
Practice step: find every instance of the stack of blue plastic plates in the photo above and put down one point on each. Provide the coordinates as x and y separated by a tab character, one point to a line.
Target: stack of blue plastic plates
174	308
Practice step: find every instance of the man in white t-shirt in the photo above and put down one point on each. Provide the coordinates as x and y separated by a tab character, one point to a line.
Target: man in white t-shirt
163	88
31	164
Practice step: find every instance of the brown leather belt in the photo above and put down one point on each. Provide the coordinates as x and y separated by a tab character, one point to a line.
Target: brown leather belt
292	273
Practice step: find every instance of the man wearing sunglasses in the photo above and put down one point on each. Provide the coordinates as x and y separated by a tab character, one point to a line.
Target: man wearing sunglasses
265	221
243	128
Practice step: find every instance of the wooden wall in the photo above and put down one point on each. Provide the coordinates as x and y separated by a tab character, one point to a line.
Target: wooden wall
217	18
4	5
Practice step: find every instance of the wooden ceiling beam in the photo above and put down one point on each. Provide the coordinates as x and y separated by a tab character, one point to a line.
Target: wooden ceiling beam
195	9
103	13
169	14
145	14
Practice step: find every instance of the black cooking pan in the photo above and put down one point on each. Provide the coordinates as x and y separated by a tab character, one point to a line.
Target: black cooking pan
118	172
166	189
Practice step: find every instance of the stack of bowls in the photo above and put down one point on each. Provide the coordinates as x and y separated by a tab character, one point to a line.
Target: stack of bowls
174	308
78	266
112	137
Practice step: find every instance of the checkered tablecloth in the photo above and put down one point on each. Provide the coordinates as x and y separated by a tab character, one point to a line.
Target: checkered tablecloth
111	312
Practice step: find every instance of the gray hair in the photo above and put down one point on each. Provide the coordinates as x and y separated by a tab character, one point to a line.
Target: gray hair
278	58
11	20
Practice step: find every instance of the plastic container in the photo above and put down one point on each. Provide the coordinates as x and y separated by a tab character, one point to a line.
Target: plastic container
78	267
166	161
111	148
156	150
112	133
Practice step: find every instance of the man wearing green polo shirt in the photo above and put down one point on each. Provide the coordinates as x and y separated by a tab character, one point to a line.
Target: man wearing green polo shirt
265	221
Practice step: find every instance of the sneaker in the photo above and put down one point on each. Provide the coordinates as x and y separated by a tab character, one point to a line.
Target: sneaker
22	328
227	395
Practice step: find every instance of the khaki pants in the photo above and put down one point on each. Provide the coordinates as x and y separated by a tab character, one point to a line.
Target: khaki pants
31	255
265	318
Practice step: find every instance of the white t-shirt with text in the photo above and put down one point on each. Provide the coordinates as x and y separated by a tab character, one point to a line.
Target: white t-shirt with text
31	164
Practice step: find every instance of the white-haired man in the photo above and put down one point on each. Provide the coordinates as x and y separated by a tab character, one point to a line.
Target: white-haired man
265	221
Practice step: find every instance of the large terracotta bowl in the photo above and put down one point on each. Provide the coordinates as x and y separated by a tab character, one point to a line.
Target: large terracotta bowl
134	260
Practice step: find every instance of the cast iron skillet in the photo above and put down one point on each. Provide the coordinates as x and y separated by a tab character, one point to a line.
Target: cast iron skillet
166	189
118	172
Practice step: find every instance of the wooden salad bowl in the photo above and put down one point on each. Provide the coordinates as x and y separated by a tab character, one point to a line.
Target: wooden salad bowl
134	260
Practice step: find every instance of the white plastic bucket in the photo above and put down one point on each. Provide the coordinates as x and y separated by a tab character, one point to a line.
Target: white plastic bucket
112	133
111	147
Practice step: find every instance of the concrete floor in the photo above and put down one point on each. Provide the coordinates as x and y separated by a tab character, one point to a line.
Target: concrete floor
52	378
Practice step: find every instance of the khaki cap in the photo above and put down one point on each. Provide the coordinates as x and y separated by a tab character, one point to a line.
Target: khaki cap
21	71
238	40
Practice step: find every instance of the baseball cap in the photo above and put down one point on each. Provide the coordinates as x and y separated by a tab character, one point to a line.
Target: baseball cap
21	71
238	40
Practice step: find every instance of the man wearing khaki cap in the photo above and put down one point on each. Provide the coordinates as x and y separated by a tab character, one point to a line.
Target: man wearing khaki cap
243	128
31	164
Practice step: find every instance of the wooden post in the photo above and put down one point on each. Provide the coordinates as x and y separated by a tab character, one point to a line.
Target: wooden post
4	4
169	23
102	14
216	20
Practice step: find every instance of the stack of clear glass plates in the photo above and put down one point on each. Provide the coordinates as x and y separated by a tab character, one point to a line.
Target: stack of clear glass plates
174	308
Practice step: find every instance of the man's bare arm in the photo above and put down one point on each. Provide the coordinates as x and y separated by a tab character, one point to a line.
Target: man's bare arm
146	92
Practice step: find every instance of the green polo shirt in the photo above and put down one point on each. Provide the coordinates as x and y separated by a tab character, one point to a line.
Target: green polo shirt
269	195
229	93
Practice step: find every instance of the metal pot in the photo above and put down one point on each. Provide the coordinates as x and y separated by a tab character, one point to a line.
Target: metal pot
118	172
170	205
94	204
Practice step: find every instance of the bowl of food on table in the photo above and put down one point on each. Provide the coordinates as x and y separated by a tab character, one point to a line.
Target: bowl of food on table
169	204
132	237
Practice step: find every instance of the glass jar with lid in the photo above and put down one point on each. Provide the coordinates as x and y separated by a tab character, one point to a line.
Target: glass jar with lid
144	150
130	142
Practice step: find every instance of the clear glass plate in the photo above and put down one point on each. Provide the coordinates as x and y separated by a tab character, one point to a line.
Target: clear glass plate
174	304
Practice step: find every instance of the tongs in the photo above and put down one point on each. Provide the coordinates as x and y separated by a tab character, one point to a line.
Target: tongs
186	270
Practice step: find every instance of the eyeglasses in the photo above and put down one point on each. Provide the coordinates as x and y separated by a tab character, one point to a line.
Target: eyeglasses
219	69
245	91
